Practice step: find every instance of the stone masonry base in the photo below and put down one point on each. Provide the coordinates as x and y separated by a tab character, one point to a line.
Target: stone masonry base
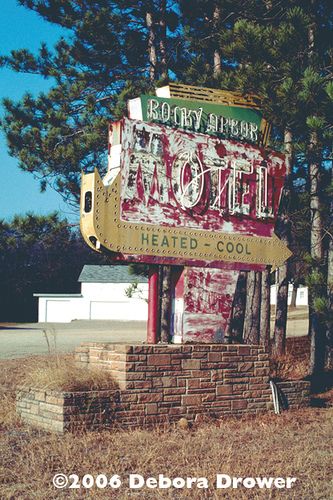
159	384
57	411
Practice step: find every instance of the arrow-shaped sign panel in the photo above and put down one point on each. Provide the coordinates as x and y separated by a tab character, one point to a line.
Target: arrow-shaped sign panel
102	226
185	198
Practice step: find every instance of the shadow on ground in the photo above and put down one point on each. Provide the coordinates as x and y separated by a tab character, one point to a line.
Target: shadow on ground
18	328
322	389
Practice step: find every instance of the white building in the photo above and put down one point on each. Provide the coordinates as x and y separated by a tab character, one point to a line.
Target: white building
301	295
103	296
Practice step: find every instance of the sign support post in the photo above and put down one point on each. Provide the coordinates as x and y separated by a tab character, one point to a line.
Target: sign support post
153	295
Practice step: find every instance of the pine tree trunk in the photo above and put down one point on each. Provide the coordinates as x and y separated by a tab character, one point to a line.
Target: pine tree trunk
283	225
235	329
165	303
217	63
294	295
163	50
151	46
281	311
317	250
317	329
265	309
252	310
329	329
217	55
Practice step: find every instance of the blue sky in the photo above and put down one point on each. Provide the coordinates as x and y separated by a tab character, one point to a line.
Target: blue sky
19	191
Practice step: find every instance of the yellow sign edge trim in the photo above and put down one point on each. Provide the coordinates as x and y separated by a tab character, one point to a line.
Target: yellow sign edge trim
98	225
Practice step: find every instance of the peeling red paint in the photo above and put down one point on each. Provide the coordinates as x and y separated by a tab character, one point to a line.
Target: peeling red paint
202	304
177	179
151	187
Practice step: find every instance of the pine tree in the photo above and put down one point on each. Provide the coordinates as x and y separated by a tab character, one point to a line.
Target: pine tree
106	61
259	63
38	254
284	78
282	51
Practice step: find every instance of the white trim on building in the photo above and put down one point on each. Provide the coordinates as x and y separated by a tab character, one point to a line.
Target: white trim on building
301	295
98	300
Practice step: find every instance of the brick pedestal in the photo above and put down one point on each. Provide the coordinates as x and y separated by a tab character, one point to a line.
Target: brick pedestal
59	411
161	383
294	394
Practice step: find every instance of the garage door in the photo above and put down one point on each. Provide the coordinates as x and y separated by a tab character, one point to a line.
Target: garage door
58	311
110	310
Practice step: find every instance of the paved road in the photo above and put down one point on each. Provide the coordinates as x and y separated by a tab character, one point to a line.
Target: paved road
40	338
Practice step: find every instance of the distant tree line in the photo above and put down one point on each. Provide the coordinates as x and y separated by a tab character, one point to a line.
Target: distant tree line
38	254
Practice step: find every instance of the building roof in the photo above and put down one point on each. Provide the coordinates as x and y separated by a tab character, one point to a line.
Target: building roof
109	274
57	295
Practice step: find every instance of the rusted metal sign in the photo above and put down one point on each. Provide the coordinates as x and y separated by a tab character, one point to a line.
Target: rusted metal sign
219	97
206	94
185	198
228	122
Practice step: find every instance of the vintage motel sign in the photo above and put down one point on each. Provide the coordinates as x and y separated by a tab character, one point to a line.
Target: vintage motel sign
222	99
179	197
219	120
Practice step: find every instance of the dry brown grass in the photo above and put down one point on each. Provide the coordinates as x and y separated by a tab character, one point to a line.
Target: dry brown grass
287	368
297	444
60	373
